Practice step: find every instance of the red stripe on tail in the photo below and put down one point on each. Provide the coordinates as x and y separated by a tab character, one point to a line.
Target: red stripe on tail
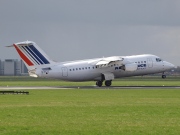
23	56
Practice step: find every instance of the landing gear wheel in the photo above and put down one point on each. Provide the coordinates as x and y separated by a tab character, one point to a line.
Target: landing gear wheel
163	76
108	83
99	83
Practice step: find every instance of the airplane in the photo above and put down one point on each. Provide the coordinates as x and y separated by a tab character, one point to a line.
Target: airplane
101	70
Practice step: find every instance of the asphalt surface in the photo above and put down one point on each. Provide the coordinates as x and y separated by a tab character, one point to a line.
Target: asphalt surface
90	87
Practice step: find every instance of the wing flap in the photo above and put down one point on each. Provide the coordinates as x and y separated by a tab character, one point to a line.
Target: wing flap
104	62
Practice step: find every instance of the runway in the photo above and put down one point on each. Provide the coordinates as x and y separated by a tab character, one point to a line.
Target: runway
89	87
32	88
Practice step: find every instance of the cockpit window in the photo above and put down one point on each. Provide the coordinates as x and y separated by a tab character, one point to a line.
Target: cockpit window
158	60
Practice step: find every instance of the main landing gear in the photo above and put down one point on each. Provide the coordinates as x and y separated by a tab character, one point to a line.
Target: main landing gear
99	83
107	83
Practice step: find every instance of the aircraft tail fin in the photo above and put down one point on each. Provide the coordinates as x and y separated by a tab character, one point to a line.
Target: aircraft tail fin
32	55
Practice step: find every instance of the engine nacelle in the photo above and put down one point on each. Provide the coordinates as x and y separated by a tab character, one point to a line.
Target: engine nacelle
130	67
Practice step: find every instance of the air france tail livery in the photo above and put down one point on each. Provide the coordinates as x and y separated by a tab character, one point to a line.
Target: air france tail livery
99	69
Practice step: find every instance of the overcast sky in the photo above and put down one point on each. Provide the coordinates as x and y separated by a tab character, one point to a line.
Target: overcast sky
80	29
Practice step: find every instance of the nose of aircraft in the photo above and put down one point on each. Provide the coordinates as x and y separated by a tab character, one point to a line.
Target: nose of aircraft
168	65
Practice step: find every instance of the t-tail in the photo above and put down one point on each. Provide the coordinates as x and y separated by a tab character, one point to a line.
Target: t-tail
33	56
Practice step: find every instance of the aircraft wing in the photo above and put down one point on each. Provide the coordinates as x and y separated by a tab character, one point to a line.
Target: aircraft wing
105	62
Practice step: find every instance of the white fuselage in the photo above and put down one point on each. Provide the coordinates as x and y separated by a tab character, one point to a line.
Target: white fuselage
86	70
100	69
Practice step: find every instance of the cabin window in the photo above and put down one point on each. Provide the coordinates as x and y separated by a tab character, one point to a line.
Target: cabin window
158	60
79	68
144	61
89	67
82	68
76	68
69	69
73	69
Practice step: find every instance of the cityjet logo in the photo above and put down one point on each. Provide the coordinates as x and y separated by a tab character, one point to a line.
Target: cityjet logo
141	65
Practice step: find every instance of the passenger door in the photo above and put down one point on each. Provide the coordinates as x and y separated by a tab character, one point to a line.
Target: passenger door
150	62
64	71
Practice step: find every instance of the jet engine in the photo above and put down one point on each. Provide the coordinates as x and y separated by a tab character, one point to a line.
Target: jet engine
130	67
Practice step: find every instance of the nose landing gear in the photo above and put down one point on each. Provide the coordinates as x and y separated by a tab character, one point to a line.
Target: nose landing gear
163	76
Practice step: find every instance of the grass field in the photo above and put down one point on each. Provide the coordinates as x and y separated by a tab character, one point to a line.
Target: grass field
90	111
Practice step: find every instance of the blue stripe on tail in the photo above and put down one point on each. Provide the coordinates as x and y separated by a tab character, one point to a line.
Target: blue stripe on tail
39	54
30	53
38	59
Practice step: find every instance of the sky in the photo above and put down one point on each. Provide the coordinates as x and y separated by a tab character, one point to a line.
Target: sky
81	29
